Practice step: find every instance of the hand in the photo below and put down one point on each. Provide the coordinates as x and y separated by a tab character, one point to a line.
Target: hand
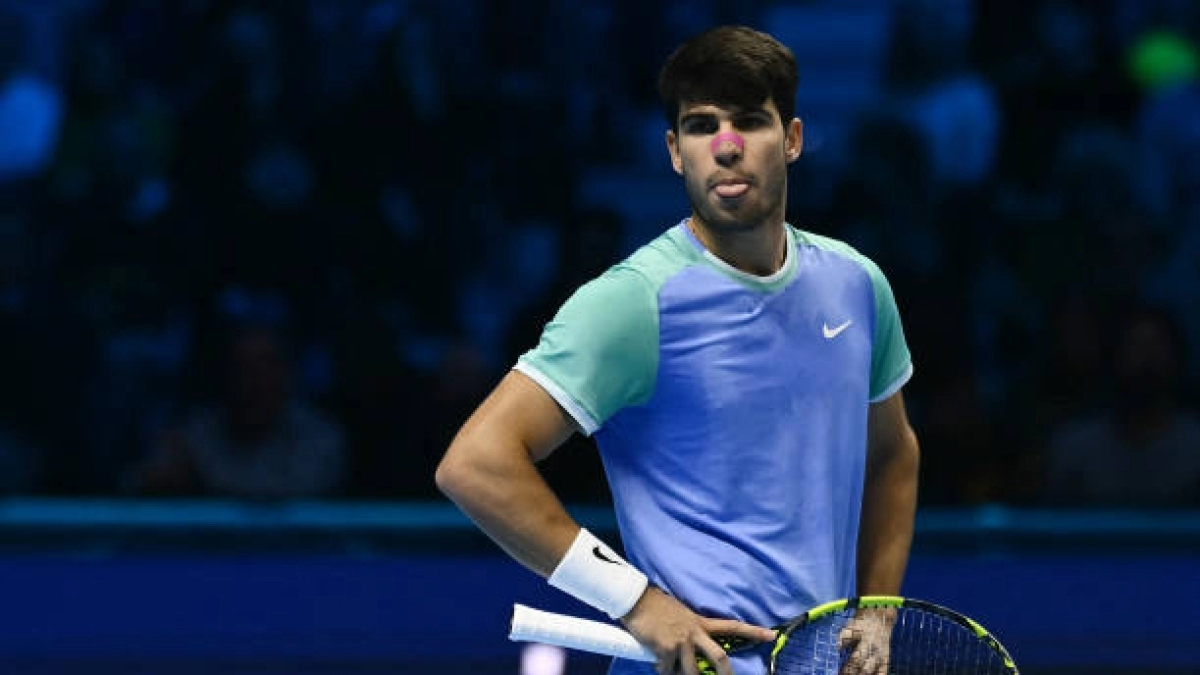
677	635
868	637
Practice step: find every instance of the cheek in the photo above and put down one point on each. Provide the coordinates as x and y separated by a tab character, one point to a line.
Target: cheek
775	158
686	161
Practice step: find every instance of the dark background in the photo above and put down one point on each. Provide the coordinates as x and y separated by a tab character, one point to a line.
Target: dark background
330	226
402	192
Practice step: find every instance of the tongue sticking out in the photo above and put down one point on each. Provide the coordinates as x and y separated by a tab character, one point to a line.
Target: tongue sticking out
730	190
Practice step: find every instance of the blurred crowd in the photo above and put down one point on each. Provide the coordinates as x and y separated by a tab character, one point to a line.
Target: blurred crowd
274	249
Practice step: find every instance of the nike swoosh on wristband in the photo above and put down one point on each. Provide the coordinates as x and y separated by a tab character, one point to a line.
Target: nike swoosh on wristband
600	554
831	333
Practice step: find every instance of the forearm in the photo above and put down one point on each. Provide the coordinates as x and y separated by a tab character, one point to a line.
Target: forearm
505	495
889	508
490	472
510	502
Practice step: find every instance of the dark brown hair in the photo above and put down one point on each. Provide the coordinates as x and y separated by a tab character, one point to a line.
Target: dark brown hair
729	66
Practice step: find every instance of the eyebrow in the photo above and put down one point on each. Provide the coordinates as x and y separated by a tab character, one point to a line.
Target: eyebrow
733	112
684	119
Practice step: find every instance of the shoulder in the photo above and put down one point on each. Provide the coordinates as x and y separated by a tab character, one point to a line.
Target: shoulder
661	258
640	276
836	247
880	287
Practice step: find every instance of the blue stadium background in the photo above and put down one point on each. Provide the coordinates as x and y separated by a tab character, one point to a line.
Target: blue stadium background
338	222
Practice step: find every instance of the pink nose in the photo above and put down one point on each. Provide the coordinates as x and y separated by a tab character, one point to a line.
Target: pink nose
727	141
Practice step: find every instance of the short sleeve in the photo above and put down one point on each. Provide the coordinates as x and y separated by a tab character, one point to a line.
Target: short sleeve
600	352
891	363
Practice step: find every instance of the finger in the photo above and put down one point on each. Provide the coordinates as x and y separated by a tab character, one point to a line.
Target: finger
858	657
874	665
883	658
852	666
666	664
686	662
870	660
734	628
848	638
715	657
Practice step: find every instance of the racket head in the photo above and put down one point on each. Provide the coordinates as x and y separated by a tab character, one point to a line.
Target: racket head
896	635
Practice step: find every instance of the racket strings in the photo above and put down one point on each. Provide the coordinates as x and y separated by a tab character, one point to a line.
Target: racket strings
920	643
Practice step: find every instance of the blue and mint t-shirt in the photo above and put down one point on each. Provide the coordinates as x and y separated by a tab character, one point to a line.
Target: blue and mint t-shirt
731	414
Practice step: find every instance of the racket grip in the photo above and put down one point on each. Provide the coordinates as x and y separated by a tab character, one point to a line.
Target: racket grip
534	625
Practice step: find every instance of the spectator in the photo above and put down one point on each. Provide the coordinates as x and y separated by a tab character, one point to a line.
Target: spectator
367	158
1168	158
934	84
1054	67
31	108
259	441
1144	449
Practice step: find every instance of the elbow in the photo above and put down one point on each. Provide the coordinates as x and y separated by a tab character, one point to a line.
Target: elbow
452	475
907	455
899	455
912	448
464	471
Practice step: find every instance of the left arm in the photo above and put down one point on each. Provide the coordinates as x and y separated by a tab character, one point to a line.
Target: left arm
889	498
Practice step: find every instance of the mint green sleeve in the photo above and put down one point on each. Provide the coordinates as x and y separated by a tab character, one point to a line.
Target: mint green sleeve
600	352
891	363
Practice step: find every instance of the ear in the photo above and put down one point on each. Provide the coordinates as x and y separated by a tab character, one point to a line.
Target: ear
673	148
794	143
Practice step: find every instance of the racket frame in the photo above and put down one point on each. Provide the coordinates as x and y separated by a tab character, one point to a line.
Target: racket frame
879	602
532	625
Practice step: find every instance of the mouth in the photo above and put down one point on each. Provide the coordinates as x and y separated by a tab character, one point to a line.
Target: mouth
731	188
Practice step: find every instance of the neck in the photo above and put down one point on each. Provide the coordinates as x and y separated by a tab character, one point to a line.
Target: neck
760	250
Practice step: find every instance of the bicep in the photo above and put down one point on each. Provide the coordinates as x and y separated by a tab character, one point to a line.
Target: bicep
888	429
489	472
518	413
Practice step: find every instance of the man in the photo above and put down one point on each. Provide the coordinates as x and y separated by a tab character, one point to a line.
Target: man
261	441
742	378
1142	451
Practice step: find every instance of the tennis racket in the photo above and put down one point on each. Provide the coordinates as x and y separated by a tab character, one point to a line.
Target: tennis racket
869	634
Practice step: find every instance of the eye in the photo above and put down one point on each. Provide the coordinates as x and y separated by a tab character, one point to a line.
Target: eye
700	125
751	122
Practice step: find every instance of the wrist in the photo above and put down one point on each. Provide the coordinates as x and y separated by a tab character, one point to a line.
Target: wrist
594	574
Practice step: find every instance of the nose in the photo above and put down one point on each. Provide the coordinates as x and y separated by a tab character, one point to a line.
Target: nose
727	147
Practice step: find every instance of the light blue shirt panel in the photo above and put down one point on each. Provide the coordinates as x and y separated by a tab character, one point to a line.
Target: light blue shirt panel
891	365
738	485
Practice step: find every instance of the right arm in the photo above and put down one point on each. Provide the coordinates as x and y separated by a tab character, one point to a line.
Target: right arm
490	472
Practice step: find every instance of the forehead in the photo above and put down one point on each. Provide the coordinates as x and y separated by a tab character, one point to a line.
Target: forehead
690	108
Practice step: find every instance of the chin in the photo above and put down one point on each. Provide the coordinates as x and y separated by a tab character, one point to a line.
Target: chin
725	220
731	226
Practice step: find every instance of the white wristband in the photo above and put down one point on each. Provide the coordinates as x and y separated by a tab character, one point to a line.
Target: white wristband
593	573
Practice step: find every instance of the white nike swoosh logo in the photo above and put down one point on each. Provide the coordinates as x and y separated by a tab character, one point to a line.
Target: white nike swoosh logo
831	333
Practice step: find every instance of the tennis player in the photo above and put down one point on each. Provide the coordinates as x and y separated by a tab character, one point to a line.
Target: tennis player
742	378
